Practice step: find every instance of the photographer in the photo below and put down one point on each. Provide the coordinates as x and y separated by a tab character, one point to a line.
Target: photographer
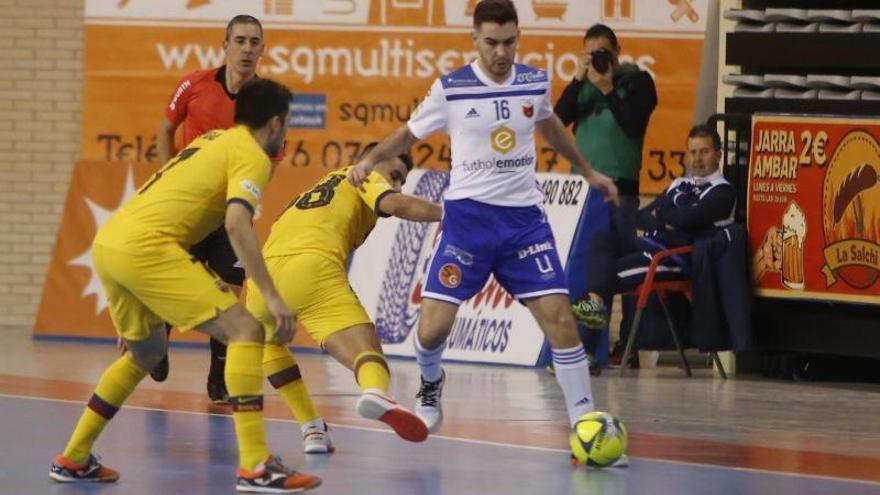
609	105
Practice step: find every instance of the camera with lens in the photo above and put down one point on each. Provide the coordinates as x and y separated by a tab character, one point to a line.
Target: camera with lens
601	60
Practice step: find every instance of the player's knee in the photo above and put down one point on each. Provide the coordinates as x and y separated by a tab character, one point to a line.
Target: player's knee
148	352
562	332
433	334
563	319
563	339
558	324
247	330
236	324
553	312
147	358
431	339
435	323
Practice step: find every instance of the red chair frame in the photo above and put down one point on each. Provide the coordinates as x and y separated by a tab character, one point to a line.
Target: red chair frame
644	291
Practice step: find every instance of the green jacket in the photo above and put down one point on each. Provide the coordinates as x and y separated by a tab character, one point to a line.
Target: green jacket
610	129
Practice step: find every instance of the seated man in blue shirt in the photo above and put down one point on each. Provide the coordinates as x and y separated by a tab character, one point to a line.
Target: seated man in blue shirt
689	208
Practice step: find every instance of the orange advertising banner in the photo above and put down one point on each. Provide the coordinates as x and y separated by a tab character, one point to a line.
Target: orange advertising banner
358	68
814	207
358	76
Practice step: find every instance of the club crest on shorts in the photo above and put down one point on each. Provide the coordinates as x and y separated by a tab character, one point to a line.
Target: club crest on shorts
528	108
450	275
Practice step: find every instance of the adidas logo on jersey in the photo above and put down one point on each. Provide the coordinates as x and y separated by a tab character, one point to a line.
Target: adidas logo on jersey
472	113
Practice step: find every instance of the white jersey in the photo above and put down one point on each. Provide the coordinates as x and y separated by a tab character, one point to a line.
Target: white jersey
491	129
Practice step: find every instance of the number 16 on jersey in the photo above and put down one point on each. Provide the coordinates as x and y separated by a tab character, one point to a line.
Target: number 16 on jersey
502	111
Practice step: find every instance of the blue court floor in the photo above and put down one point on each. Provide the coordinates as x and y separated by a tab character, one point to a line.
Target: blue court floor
162	452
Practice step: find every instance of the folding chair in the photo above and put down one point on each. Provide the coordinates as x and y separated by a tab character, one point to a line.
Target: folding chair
661	288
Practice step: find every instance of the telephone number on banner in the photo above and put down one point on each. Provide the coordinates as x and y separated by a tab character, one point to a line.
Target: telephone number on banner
337	154
660	166
566	192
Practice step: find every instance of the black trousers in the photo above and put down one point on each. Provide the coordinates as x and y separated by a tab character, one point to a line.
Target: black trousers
216	253
619	264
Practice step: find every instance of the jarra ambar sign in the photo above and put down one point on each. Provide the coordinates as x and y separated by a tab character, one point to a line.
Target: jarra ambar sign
814	207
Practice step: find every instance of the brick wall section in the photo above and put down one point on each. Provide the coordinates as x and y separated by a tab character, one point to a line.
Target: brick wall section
40	88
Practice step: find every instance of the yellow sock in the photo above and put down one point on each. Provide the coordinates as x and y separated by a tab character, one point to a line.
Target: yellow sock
244	381
371	371
115	385
283	373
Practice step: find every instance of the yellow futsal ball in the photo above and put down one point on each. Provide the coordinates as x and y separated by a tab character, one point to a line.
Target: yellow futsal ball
598	439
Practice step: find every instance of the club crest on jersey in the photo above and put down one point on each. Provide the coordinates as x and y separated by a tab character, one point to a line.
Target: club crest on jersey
450	275
503	139
528	108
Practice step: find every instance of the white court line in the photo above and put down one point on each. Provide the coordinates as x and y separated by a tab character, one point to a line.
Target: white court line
480	442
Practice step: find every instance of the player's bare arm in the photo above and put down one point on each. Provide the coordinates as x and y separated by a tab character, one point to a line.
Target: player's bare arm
244	242
559	138
410	208
165	140
398	142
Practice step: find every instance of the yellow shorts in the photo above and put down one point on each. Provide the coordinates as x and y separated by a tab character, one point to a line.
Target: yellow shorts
316	290
151	286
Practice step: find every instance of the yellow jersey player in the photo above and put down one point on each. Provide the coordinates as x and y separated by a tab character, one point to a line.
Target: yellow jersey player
142	260
306	254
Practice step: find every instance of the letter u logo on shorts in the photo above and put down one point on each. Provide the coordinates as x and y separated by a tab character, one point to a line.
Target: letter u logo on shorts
546	266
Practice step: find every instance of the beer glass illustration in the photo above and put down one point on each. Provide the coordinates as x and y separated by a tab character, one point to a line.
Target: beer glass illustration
794	230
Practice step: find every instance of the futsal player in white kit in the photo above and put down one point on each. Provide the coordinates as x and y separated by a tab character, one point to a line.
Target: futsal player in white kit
493	222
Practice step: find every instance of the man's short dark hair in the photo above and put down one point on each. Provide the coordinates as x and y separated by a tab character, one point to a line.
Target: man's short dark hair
602	31
498	11
403	157
407	160
704	131
259	100
242	19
